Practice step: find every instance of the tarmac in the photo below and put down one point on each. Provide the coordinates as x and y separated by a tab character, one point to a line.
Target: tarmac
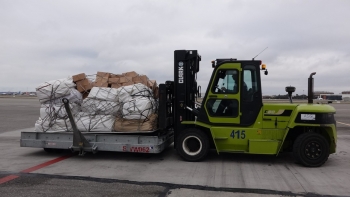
33	172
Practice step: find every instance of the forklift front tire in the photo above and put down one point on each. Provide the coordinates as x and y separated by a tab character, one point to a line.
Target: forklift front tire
193	145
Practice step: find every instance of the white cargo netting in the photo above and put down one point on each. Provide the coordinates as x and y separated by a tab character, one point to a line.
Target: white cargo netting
100	107
52	125
137	90
101	123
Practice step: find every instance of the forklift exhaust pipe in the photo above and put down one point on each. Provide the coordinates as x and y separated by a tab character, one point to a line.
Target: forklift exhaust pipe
311	88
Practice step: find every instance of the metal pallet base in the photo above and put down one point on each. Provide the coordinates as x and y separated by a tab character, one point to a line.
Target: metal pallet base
99	142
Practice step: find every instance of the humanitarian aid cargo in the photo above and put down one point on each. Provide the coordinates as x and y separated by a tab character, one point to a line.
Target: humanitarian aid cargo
104	102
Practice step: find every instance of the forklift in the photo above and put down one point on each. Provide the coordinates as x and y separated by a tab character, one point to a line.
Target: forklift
231	118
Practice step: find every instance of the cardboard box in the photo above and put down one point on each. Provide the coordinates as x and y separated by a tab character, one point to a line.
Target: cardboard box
124	125
115	76
79	77
156	93
130	74
152	84
101	79
84	85
98	78
114	80
140	79
116	85
135	82
128	83
125	79
103	74
100	83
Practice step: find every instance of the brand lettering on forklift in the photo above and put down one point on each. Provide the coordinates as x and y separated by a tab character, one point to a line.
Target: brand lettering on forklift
181	72
238	134
136	149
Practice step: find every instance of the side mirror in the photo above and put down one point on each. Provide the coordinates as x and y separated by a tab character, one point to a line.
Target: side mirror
266	72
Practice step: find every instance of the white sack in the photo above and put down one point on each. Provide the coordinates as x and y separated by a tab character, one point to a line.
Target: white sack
54	89
57	125
126	93
52	112
99	107
106	94
139	108
74	97
101	123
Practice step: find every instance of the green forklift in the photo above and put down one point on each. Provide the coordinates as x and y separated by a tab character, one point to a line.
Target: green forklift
233	118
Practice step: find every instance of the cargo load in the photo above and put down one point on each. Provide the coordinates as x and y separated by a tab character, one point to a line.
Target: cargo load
104	102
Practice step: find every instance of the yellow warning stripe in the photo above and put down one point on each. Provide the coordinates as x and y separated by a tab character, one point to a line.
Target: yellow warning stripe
343	123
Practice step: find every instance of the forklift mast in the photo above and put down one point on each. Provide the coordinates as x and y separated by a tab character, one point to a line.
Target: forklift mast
186	66
175	96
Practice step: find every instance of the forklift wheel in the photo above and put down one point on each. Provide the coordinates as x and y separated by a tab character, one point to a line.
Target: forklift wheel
193	145
311	149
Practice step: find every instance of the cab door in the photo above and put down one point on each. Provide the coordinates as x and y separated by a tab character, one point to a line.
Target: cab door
222	103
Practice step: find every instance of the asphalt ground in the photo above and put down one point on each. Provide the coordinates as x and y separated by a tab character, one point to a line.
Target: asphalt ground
18	112
33	172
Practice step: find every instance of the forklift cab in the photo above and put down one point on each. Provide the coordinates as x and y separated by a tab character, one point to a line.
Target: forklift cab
234	93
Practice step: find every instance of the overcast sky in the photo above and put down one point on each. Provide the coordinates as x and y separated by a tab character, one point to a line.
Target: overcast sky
46	40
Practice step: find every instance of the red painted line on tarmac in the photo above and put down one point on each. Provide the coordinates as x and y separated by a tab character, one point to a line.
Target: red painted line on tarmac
46	164
8	178
37	167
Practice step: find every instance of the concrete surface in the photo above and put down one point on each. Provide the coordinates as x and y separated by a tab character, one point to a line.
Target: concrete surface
165	174
18	113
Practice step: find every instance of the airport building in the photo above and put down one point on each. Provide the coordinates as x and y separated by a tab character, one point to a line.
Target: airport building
345	95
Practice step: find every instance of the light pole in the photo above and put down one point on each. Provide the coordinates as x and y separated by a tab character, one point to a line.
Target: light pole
303	94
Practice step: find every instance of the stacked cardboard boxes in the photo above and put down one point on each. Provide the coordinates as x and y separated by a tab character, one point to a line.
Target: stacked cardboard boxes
105	79
102	79
84	85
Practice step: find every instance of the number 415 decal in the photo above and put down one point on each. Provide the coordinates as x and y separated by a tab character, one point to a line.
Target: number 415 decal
238	134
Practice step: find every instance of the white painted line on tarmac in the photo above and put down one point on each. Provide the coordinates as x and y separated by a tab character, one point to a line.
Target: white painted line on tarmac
16	133
343	123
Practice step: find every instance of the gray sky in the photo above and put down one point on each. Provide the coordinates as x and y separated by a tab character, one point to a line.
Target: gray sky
46	40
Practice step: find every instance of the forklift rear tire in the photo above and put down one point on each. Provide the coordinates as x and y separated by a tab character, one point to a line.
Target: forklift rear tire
311	149
193	145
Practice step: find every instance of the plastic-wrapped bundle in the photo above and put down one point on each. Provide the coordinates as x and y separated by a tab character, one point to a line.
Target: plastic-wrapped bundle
54	89
87	123
106	94
139	108
48	111
100	107
74	96
126	93
52	125
125	125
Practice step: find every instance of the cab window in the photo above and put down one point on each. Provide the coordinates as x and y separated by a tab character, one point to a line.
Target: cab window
250	84
226	82
223	107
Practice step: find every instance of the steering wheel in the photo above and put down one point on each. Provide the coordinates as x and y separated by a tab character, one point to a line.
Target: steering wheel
219	90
